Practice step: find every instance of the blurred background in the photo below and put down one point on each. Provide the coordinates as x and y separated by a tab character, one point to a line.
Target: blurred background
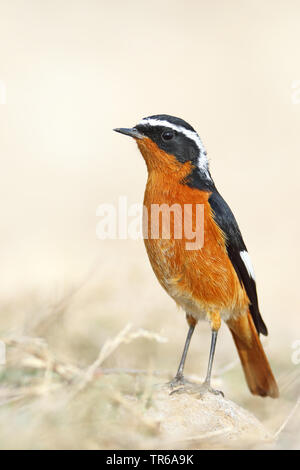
71	71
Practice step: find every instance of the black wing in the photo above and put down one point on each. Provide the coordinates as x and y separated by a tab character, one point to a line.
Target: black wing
235	245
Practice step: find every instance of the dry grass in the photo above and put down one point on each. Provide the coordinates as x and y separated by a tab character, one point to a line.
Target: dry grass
53	396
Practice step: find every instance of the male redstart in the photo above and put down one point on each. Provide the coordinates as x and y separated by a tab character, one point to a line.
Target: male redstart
215	280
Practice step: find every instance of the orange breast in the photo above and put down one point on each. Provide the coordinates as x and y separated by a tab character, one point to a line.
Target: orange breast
199	280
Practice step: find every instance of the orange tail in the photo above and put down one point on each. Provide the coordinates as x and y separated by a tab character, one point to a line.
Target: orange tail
256	367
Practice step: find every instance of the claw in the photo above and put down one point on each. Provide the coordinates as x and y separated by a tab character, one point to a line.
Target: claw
178	381
196	389
215	392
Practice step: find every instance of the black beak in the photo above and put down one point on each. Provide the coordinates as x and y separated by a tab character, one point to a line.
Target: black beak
131	132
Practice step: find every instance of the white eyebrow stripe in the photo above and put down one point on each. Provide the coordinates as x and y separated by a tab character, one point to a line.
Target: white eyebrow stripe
189	134
202	158
247	262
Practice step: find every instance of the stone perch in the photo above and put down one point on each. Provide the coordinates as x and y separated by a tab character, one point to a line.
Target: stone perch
209	421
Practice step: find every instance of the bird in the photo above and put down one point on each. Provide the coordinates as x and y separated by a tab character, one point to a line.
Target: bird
215	281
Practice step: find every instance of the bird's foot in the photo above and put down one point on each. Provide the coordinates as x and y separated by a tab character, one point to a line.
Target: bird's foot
196	389
178	381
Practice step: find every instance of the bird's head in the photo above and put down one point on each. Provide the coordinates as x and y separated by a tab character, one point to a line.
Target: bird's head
169	144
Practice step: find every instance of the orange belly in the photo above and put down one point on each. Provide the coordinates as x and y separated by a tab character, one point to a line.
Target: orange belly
199	280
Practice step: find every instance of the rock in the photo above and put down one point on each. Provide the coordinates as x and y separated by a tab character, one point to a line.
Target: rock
209	421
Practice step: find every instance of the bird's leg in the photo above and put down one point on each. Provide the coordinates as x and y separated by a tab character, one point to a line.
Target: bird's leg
179	378
206	386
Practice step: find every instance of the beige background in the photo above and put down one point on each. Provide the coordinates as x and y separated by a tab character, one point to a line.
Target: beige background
76	69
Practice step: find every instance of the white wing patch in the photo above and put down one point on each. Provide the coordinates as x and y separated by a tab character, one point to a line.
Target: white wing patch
247	262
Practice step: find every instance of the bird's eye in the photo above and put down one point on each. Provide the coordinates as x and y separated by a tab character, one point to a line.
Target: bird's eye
167	135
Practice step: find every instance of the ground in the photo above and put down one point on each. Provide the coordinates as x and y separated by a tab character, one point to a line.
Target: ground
72	380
